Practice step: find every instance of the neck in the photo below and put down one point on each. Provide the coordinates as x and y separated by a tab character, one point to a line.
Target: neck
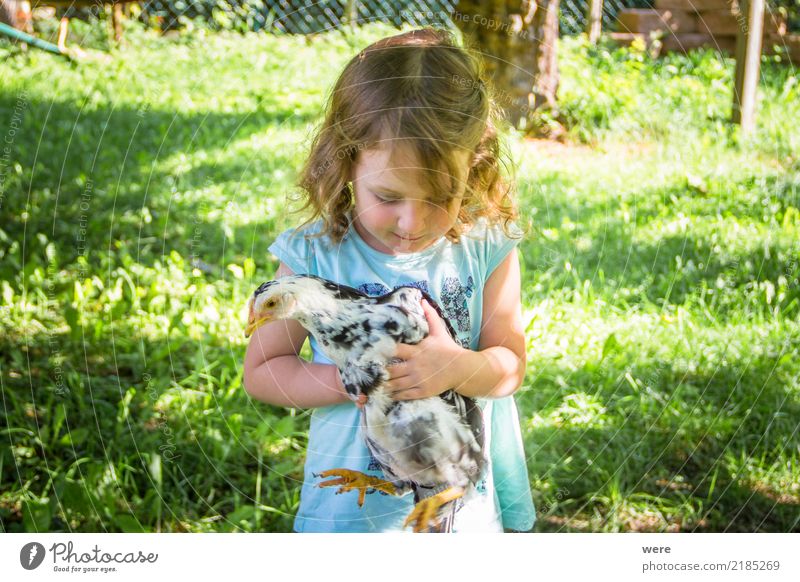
312	309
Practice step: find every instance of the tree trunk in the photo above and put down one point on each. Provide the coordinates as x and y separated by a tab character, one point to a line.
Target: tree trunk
518	40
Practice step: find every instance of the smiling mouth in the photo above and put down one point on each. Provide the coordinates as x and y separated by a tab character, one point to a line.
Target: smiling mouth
409	239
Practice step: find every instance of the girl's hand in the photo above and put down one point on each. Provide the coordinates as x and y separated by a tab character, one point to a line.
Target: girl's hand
428	368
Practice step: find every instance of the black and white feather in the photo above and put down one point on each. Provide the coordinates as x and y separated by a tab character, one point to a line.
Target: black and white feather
425	444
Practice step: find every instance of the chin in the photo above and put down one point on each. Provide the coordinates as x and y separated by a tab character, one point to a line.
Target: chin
409	247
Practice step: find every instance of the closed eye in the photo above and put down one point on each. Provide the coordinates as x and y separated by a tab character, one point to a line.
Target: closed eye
388	199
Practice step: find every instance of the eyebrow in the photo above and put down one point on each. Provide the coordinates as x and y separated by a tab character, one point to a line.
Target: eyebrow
384	189
378	188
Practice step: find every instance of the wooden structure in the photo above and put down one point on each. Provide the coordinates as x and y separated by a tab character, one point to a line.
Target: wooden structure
594	20
16	14
686	24
63	27
740	26
748	64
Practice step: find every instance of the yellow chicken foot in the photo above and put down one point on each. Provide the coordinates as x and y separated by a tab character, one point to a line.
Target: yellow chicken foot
348	480
426	510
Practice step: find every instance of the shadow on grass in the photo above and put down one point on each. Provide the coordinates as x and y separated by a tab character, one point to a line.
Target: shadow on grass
93	178
165	439
575	241
669	440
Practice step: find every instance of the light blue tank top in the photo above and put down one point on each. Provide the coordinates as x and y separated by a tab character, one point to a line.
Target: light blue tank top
454	275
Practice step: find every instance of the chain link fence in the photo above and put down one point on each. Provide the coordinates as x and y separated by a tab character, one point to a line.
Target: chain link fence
573	13
299	17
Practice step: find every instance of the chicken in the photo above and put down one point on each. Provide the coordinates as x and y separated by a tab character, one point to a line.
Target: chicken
431	446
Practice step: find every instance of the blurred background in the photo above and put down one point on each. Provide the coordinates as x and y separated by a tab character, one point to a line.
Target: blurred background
147	160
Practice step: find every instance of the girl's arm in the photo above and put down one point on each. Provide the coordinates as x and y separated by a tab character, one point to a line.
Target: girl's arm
275	374
438	363
498	368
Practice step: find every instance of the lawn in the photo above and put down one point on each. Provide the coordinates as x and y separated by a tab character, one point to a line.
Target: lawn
139	194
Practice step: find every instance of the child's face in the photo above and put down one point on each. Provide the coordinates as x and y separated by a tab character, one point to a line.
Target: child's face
392	212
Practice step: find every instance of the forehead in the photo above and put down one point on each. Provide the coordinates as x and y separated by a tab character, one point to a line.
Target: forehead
396	167
264	287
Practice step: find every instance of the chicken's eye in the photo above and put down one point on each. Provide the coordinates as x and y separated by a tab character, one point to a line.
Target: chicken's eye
271	303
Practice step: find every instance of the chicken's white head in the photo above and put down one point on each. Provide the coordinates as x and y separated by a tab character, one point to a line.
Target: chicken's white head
272	301
290	297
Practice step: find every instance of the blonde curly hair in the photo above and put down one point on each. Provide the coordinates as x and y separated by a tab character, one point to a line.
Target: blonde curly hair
423	89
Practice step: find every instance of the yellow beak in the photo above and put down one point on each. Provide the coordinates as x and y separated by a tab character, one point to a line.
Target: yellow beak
254	322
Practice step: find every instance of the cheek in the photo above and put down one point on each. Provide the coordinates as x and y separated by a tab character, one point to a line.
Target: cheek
445	219
386	215
374	215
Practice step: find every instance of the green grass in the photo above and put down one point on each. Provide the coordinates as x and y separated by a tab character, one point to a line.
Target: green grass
140	194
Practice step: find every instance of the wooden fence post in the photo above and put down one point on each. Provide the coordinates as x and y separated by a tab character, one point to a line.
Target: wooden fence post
594	20
350	15
748	63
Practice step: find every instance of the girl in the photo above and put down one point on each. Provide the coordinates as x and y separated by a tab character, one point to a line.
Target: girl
404	188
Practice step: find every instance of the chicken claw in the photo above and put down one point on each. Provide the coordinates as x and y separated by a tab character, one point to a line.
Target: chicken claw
426	510
348	480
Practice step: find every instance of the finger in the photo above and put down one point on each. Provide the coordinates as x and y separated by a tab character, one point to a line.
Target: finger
397	370
404	394
435	321
399	384
403	351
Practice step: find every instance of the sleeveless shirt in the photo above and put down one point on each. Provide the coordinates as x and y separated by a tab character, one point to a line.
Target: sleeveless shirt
454	275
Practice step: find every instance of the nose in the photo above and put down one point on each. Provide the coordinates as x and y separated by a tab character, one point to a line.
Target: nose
413	217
